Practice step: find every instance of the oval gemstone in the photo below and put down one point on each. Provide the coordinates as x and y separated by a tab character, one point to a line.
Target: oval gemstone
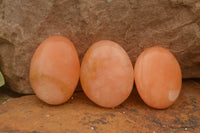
55	70
107	74
158	77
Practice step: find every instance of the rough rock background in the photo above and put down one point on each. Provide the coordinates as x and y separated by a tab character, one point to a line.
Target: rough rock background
134	24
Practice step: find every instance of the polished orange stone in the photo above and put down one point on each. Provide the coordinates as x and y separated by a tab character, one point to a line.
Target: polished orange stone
158	77
107	74
55	70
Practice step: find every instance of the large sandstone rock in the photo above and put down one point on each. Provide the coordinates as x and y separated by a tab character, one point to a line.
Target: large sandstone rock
30	115
136	25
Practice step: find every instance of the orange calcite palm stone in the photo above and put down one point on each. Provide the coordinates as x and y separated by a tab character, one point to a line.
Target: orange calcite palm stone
107	74
54	70
158	77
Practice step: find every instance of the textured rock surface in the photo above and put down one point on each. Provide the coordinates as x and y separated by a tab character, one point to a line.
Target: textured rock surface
29	115
136	25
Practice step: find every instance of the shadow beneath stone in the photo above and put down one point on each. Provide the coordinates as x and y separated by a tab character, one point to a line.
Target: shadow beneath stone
6	94
7	91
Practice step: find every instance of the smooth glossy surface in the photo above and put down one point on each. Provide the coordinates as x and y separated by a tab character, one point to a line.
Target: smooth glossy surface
158	77
54	70
106	74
